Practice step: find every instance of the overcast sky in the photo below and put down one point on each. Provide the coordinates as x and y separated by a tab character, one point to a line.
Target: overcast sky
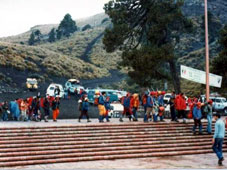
18	16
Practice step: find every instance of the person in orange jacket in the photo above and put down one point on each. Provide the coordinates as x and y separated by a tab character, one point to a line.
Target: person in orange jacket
23	109
161	111
55	108
135	105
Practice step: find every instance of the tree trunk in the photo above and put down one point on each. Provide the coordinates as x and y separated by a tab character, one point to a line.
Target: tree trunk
175	77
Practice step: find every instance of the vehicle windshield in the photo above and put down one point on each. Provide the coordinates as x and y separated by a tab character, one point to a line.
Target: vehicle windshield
223	100
32	81
51	88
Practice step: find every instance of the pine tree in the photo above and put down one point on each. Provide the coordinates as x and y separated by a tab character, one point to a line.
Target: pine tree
52	35
86	27
31	40
66	27
147	32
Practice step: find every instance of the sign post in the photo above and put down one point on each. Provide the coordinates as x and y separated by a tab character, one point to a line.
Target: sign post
207	52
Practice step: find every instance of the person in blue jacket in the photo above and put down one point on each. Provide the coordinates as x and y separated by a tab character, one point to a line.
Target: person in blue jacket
197	116
107	107
150	104
101	106
14	109
218	138
84	110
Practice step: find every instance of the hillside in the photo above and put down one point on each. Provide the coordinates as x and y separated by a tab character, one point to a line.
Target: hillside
83	56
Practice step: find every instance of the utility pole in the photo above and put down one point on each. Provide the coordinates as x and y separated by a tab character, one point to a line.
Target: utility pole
207	52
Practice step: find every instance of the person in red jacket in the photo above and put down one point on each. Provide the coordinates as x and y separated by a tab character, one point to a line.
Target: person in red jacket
180	105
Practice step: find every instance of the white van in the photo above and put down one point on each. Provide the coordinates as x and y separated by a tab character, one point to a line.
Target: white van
51	90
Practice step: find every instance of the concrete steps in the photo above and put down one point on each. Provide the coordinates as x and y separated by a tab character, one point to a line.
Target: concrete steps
89	142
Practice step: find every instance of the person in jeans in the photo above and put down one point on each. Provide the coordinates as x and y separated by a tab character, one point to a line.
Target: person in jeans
197	116
209	116
218	138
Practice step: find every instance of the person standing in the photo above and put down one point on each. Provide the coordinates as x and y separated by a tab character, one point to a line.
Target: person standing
144	102
150	104
209	116
46	108
172	109
218	137
107	107
101	106
23	109
5	110
127	110
55	108
197	116
135	105
84	109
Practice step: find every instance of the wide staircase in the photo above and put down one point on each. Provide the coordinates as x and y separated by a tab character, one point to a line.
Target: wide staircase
21	146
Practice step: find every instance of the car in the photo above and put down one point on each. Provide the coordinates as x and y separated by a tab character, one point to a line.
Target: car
51	90
167	97
111	93
117	109
73	85
121	94
32	84
219	104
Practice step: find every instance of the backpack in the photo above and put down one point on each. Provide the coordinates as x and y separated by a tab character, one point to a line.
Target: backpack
96	101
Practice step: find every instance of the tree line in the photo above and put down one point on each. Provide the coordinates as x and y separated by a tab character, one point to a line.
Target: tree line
65	29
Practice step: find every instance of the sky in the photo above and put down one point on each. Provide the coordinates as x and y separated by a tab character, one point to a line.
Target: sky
18	16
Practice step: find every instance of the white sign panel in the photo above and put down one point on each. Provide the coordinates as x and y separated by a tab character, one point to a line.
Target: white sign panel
200	76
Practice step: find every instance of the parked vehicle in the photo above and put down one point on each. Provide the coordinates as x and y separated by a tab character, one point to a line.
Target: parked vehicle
117	109
73	85
111	93
32	84
121	94
51	90
167	97
219	104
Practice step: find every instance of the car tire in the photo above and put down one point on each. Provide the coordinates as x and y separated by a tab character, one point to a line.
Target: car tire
225	111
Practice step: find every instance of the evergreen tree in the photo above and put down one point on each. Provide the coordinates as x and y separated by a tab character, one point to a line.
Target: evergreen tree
147	31
219	64
86	27
37	34
31	40
66	27
52	35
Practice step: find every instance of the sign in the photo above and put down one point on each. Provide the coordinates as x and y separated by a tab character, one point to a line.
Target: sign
200	76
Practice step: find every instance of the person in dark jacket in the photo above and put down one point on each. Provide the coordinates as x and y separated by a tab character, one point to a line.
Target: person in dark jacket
107	107
36	108
55	108
84	110
46	108
5	110
172	109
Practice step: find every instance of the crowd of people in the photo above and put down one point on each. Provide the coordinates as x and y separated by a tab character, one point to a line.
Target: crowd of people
32	108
